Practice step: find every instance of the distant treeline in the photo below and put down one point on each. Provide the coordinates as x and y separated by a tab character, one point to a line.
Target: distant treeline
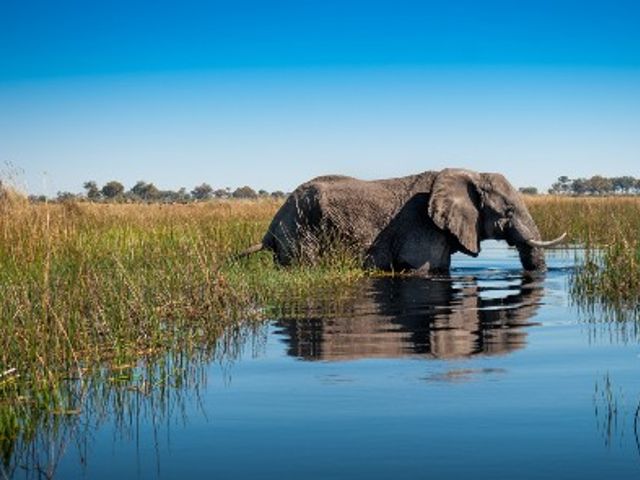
596	185
115	191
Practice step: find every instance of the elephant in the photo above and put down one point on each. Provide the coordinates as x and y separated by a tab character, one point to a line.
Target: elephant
408	224
391	317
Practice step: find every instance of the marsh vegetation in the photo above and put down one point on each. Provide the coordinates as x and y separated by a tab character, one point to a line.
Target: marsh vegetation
608	230
85	283
88	287
94	294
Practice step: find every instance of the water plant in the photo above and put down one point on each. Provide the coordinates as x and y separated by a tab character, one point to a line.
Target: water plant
92	288
607	276
85	287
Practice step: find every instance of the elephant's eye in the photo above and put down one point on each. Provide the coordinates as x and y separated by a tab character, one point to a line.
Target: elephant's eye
509	212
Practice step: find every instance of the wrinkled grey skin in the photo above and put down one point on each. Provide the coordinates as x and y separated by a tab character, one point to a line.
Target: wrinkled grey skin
411	224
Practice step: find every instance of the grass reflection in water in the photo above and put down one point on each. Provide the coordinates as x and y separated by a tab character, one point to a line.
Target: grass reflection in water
153	392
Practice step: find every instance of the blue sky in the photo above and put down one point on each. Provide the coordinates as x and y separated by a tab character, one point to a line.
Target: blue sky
272	93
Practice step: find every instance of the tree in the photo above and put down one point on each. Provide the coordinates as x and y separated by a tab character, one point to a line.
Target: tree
599	185
222	193
245	192
529	190
112	189
182	195
562	186
145	191
579	186
138	189
596	185
263	193
202	192
93	192
151	192
278	194
66	197
565	183
623	184
165	196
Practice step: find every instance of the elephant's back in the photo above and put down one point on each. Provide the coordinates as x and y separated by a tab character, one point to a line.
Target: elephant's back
301	209
330	179
358	209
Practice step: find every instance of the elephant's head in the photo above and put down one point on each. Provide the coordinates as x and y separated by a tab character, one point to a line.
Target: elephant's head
478	206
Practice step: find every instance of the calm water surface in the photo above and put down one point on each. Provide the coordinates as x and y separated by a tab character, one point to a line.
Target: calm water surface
485	374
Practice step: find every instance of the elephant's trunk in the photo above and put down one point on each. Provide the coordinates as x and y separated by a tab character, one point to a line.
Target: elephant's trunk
532	251
532	258
526	238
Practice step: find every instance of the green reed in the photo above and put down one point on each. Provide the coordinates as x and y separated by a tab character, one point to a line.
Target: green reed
85	286
608	276
87	289
84	283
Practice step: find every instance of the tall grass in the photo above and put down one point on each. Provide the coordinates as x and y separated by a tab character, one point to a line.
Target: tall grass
82	283
87	289
591	221
608	229
84	287
86	283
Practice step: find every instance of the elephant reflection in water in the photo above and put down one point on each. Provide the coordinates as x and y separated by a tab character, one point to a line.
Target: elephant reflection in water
409	316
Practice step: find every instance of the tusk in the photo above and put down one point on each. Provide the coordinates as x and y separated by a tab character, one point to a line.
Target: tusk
550	243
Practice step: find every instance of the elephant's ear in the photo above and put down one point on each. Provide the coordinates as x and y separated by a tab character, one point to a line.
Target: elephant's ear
454	206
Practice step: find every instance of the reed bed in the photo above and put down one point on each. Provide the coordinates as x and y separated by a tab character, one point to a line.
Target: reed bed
590	221
607	228
95	292
86	287
83	283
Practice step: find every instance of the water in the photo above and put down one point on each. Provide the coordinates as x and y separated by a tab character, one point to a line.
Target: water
486	374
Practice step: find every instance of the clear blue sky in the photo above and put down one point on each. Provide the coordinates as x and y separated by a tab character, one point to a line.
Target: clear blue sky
271	93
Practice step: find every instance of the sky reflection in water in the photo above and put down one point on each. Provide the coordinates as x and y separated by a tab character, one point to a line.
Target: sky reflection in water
485	374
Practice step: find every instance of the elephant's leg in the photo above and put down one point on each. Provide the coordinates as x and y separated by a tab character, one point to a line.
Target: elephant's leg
310	246
301	227
283	237
378	258
422	250
282	240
